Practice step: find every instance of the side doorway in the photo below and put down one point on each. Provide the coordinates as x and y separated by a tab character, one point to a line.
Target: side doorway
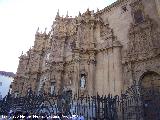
150	92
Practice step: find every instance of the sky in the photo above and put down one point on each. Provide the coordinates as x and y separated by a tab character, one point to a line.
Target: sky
19	20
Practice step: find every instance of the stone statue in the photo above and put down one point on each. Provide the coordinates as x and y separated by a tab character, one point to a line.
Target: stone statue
83	82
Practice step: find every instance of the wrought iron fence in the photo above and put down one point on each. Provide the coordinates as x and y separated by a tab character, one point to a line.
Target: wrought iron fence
135	104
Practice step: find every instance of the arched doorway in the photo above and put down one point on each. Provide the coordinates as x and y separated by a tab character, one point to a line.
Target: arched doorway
150	84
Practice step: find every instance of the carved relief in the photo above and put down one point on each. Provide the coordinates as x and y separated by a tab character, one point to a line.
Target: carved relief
59	29
70	44
46	60
57	66
68	75
56	53
82	36
106	33
107	37
134	70
137	11
23	64
142	39
71	27
63	27
34	61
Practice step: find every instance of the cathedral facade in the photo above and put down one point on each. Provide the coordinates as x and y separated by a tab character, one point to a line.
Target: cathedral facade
95	52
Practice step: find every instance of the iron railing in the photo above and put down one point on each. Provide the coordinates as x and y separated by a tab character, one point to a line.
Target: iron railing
135	104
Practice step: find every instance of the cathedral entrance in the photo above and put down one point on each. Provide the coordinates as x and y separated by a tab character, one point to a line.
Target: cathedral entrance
150	92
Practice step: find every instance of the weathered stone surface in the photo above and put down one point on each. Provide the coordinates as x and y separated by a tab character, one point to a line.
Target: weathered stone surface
109	49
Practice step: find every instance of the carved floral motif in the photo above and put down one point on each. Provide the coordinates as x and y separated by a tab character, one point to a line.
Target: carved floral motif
143	40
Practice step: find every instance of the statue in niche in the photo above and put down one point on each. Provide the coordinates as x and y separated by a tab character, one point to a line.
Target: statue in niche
82	82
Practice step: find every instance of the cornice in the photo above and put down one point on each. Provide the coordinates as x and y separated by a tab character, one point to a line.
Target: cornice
110	7
84	51
126	61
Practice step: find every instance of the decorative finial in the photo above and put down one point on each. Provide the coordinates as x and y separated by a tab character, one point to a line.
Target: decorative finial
79	13
92	13
37	30
88	12
45	30
57	16
58	12
67	14
97	10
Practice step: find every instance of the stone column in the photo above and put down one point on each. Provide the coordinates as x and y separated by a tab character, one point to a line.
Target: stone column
62	49
118	83
92	42
106	82
111	73
76	77
91	74
62	67
158	6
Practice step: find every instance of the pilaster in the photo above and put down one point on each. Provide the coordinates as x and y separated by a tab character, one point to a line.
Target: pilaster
158	7
118	83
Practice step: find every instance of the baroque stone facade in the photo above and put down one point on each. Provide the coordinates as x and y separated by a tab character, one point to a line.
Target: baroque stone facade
101	51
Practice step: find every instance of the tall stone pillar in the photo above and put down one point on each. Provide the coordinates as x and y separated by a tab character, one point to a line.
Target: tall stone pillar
111	74
106	83
61	64
91	62
92	42
158	6
76	77
118	83
91	74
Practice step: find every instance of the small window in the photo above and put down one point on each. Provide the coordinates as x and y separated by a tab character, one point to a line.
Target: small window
0	83
138	16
